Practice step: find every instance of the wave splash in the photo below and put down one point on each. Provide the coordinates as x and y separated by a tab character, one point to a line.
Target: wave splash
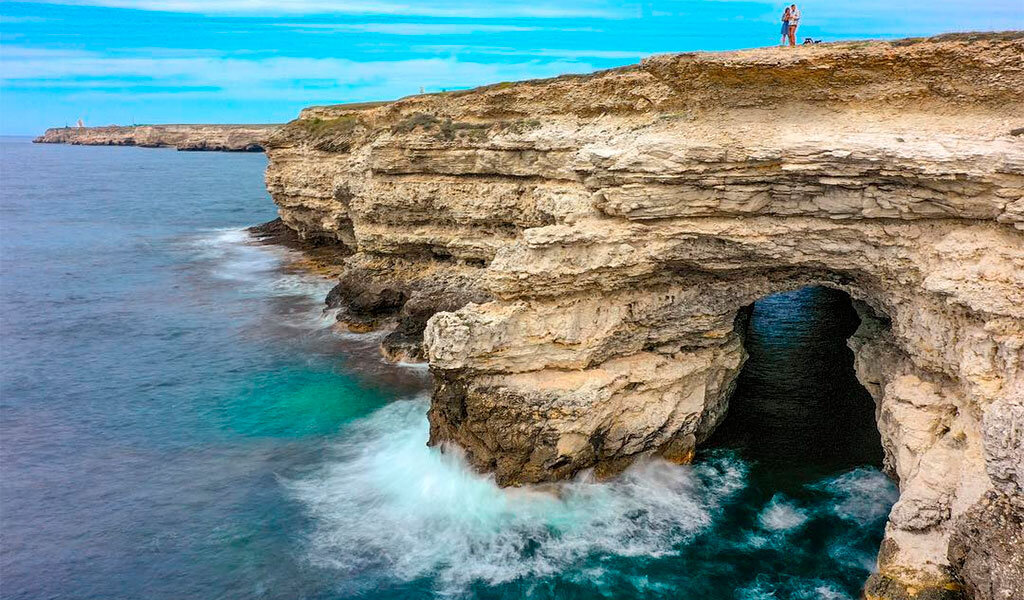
388	505
262	274
387	510
233	255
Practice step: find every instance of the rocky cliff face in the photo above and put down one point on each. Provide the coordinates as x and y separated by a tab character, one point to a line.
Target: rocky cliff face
228	138
581	251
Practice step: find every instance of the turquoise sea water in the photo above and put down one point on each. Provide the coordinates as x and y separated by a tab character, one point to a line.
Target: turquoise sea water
180	420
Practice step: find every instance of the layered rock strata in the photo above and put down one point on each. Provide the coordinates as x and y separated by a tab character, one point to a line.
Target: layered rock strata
590	245
226	138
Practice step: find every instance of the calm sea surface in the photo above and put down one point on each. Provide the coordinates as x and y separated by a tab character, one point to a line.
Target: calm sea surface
179	420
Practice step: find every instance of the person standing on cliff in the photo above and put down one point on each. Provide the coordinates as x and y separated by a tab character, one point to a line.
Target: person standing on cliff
785	26
794	22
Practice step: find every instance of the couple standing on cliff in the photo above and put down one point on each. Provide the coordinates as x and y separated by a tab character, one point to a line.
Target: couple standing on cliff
790	21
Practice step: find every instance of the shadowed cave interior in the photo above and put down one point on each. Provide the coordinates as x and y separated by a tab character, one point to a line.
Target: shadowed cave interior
811	514
798	409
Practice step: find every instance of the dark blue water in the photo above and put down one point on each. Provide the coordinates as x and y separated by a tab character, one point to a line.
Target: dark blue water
178	419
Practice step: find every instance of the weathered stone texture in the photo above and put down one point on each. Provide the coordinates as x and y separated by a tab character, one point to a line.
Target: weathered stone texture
593	243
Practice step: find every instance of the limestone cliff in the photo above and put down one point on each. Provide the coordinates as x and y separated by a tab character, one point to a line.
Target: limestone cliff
591	243
228	138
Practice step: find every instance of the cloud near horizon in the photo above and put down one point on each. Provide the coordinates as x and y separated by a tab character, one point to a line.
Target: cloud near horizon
418	29
450	8
264	78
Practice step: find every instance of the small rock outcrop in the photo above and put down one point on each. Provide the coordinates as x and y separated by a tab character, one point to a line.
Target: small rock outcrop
578	253
223	138
985	548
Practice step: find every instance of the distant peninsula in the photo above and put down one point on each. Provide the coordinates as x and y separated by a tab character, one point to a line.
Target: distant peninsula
224	138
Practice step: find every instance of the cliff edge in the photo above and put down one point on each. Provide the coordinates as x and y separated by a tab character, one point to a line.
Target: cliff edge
575	256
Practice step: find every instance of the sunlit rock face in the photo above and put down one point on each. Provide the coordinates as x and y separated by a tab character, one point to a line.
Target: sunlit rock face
590	245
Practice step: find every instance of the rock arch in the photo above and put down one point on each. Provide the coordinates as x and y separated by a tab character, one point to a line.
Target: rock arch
588	243
537	387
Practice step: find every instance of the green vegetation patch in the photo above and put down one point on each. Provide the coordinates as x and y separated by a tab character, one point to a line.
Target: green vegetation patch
316	126
520	126
333	135
449	130
446	129
409	124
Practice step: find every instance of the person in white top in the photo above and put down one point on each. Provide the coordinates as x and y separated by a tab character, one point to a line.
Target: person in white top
794	22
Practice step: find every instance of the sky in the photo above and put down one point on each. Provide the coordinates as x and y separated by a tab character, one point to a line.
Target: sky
261	61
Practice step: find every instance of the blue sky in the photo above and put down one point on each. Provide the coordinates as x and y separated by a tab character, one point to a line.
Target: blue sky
261	61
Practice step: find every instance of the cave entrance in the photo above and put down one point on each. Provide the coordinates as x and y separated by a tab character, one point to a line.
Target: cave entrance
798	410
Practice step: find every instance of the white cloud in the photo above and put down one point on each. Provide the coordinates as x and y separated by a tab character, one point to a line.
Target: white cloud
275	78
436	8
418	28
10	20
534	52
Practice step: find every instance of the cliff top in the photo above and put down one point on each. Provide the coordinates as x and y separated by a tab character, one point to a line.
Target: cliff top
964	68
937	89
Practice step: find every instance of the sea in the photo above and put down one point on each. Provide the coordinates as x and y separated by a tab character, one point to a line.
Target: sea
179	418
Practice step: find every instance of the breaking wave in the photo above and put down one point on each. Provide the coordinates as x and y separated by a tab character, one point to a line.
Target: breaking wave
231	255
386	504
781	515
388	510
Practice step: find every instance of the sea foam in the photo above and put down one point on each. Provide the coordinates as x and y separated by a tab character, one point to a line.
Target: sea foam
260	271
387	505
781	515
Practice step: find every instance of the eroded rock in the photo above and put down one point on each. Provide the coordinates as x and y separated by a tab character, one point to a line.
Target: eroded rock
985	548
590	246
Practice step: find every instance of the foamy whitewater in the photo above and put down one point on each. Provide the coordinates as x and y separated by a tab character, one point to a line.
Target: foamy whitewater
390	506
389	509
231	254
183	419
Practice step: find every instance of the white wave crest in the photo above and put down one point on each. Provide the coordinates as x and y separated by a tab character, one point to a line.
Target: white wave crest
862	495
795	589
781	515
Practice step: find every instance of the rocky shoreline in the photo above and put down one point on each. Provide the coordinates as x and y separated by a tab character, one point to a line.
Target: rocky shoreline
217	138
575	259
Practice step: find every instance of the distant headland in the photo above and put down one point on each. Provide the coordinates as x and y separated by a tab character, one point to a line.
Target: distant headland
224	138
